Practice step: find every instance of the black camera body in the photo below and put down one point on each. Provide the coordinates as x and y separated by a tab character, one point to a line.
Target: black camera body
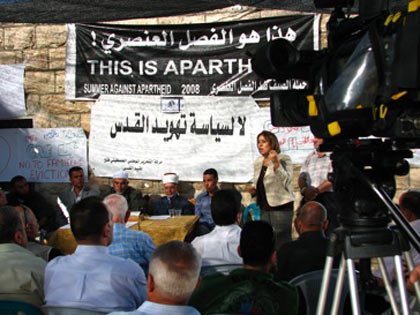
367	82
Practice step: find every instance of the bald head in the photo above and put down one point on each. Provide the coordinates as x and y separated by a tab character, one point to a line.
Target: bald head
410	204
311	217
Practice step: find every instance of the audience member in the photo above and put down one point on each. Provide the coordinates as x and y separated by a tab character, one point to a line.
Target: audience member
308	252
91	278
3	198
409	204
49	218
120	186
251	289
79	190
171	200
413	278
203	202
30	223
314	183
127	243
174	274
22	273
220	246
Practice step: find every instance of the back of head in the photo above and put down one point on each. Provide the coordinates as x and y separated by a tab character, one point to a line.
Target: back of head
175	268
10	222
87	218
257	243
225	206
410	200
117	205
312	215
211	171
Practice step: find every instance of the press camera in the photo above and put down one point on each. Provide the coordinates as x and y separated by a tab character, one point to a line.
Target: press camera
366	83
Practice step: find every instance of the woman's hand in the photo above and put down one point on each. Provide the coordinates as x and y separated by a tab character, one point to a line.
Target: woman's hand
272	156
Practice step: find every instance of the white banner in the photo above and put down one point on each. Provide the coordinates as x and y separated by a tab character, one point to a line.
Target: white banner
297	142
148	136
41	155
12	95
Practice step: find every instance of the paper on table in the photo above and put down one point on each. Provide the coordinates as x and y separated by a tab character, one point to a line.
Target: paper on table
129	224
158	217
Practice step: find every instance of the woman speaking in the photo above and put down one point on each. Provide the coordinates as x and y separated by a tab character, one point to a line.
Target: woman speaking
273	173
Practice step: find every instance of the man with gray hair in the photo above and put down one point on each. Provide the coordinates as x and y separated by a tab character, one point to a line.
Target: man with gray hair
173	276
22	273
120	186
308	252
127	243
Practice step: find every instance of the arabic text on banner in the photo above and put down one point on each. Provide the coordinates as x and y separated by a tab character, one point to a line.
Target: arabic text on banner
41	155
193	59
148	136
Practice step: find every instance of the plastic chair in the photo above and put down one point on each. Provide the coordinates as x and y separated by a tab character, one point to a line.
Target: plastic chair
18	307
310	284
224	269
62	310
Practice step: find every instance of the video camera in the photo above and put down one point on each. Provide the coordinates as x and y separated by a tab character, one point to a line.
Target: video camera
367	82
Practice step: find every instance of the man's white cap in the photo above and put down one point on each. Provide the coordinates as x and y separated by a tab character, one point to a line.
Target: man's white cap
170	178
120	174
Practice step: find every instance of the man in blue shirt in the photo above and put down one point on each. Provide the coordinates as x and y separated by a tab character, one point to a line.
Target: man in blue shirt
127	243
171	200
91	278
203	202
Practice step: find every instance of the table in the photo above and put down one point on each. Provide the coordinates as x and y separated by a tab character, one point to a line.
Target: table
161	231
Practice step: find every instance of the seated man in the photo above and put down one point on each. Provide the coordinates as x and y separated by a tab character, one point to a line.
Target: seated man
48	217
308	252
409	204
127	243
91	278
203	201
3	198
251	289
22	273
78	189
30	222
120	186
174	274
171	200
220	246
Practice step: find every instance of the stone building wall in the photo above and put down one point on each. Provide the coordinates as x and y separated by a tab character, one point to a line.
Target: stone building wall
42	48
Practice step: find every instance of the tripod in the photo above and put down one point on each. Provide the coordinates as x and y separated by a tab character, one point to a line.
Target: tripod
363	180
360	244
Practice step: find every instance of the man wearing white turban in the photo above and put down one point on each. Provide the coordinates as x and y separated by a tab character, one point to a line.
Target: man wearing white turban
171	200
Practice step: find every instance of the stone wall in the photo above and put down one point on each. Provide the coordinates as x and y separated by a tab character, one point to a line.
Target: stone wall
42	49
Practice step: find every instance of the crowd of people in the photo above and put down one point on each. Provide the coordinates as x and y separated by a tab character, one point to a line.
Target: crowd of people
118	270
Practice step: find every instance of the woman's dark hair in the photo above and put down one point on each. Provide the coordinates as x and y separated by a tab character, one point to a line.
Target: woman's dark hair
271	139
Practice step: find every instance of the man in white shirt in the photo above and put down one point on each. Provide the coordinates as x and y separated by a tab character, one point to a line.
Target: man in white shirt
173	276
220	246
91	278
